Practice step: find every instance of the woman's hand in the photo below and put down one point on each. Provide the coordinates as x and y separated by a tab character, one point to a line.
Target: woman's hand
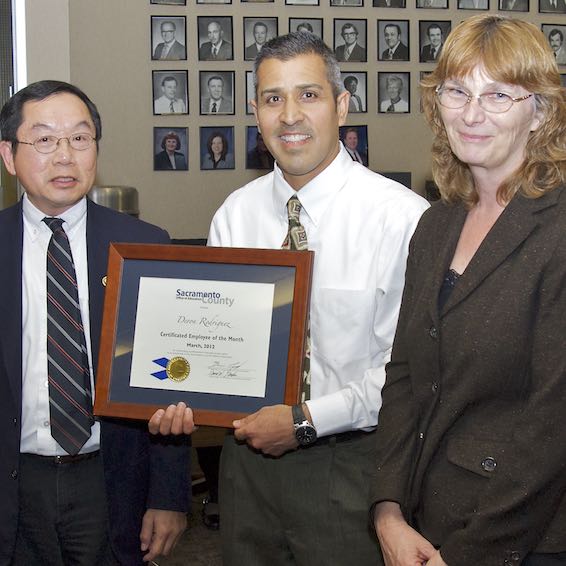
436	560
400	544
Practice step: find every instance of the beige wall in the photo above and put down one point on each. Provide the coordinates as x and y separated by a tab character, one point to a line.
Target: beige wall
47	38
109	57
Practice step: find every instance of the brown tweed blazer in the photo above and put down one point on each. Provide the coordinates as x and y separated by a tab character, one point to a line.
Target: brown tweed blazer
472	432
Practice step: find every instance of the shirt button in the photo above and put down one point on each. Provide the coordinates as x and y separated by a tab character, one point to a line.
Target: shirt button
434	386
45	423
433	332
14	474
15	422
489	464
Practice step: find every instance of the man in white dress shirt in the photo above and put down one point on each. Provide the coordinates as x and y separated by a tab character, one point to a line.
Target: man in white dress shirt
286	500
168	103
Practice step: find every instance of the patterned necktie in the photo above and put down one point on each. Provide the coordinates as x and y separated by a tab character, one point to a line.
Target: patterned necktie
171	107
213	108
214	52
390	54
70	398
391	108
296	239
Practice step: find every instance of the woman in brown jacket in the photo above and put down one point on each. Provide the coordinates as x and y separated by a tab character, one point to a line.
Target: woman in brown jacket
471	467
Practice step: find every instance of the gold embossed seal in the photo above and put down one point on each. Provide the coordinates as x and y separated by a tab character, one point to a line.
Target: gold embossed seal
178	369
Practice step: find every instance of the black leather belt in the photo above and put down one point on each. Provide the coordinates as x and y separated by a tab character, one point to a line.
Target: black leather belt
67	459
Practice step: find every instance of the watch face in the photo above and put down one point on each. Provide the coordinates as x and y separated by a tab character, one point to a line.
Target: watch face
305	435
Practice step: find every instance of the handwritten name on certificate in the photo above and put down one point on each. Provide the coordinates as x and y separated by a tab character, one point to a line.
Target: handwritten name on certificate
202	336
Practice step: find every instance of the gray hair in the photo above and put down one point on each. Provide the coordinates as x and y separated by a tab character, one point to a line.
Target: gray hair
286	47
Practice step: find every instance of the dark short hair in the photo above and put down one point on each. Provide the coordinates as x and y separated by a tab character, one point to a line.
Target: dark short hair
215	77
304	25
171	136
348	25
434	26
167	79
295	44
11	115
260	24
556	32
217	134
398	28
350	79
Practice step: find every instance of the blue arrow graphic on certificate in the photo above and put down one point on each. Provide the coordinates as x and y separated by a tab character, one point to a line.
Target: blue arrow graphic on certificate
163	363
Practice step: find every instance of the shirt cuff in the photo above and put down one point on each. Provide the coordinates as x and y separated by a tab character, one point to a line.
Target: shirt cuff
330	414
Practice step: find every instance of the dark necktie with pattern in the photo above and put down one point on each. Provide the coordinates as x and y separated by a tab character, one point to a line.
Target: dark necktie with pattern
296	239
70	398
213	110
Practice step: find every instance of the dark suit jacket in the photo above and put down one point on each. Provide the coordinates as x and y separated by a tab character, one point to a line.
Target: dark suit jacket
224	53
251	52
358	53
176	53
400	54
426	53
470	438
140	472
161	162
394	4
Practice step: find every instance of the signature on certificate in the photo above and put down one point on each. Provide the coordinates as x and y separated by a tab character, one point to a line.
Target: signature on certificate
216	369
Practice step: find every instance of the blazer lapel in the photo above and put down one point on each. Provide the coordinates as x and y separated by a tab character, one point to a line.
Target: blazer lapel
97	254
445	240
11	236
514	225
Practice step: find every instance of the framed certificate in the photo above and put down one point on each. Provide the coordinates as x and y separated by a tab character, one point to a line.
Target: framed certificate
222	329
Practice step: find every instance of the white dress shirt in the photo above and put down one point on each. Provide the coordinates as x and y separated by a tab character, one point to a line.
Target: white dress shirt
359	225
36	429
162	105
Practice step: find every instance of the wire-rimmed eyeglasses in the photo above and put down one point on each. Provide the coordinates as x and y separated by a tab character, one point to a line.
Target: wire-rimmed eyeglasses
48	144
496	102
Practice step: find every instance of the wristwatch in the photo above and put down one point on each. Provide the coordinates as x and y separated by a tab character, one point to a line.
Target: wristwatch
305	432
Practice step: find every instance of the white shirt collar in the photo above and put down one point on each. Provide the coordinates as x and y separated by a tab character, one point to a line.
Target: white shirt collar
317	194
34	217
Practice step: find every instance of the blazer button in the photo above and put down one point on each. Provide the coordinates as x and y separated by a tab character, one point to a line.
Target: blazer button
489	464
434	386
14	474
433	332
515	556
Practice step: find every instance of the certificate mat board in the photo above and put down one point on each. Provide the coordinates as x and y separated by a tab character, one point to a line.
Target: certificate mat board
222	329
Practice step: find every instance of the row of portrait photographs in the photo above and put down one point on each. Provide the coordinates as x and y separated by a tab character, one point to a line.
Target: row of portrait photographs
350	38
544	6
217	92
171	149
217	89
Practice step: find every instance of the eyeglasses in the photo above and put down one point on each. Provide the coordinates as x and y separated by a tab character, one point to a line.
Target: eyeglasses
496	102
48	144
